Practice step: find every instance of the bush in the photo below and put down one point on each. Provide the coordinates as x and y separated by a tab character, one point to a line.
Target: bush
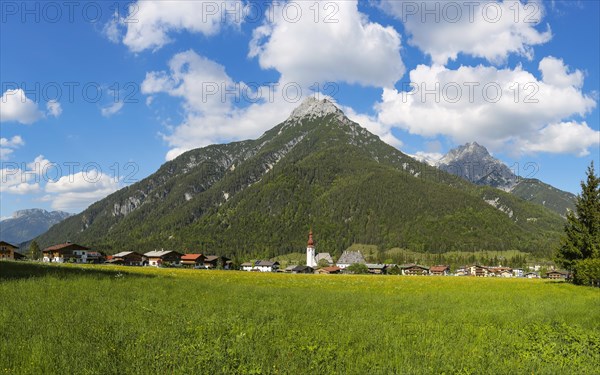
358	268
587	272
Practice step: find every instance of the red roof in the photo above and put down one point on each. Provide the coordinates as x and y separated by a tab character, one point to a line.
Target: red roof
331	269
193	257
310	239
439	268
66	245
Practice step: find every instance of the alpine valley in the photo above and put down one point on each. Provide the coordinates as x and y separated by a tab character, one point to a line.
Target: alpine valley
319	170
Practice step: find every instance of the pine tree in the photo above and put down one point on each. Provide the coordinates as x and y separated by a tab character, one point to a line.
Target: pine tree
34	251
582	230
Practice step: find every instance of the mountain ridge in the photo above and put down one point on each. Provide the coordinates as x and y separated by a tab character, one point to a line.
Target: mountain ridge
27	224
317	168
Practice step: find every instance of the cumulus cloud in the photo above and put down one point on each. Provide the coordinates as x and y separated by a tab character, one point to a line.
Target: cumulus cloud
488	29
8	145
498	107
149	23
336	44
209	97
19	179
16	106
77	191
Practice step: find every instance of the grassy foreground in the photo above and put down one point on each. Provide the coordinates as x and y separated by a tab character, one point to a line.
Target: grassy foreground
117	320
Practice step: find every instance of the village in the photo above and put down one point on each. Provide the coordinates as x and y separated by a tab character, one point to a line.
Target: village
350	262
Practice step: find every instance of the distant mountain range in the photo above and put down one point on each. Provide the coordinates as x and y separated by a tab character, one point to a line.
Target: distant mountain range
318	169
474	163
25	225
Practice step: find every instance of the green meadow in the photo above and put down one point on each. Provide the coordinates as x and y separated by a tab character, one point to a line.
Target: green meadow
119	320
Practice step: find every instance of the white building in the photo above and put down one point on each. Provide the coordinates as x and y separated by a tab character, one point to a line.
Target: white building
266	266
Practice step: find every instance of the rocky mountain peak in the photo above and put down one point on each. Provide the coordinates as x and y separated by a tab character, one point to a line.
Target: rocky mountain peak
312	108
474	163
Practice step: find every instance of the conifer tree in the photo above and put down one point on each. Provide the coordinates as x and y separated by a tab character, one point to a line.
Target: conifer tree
582	230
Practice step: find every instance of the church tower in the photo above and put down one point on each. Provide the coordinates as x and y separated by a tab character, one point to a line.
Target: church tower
310	252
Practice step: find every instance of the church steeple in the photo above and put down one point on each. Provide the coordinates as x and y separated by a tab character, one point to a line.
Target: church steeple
311	261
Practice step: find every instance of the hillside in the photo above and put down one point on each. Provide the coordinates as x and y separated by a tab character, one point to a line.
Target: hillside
25	225
317	168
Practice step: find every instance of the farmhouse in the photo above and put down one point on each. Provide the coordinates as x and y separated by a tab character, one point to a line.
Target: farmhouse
412	269
66	252
158	258
501	271
215	261
440	270
266	266
329	270
531	275
9	252
350	257
324	257
377	269
247	266
302	269
558	275
193	260
128	258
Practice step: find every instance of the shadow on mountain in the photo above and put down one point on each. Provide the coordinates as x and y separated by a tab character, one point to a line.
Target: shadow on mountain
25	270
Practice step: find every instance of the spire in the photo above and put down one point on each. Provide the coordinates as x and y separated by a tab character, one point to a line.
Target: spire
311	243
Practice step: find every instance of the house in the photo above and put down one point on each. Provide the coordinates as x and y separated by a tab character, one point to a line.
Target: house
127	258
377	269
9	252
462	272
412	269
558	275
531	275
247	266
266	266
159	258
324	257
302	269
350	257
193	260
501	271
441	270
518	272
66	252
215	261
96	257
479	271
329	270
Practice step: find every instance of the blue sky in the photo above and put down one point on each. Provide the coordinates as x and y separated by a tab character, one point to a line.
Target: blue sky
96	96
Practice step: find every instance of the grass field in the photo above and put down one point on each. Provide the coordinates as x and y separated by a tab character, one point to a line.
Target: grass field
116	320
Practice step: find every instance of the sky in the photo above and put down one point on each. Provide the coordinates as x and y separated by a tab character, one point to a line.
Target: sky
98	95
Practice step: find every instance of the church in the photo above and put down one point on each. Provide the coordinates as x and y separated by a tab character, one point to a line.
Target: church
313	259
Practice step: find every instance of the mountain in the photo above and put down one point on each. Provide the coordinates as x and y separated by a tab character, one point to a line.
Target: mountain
27	224
474	163
259	198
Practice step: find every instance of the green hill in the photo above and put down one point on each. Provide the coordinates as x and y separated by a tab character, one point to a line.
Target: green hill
318	169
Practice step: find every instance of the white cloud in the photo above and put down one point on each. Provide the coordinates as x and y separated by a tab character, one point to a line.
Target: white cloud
77	191
7	146
555	72
564	137
468	107
17	179
112	109
53	107
340	45
431	158
16	106
209	96
488	29
149	23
